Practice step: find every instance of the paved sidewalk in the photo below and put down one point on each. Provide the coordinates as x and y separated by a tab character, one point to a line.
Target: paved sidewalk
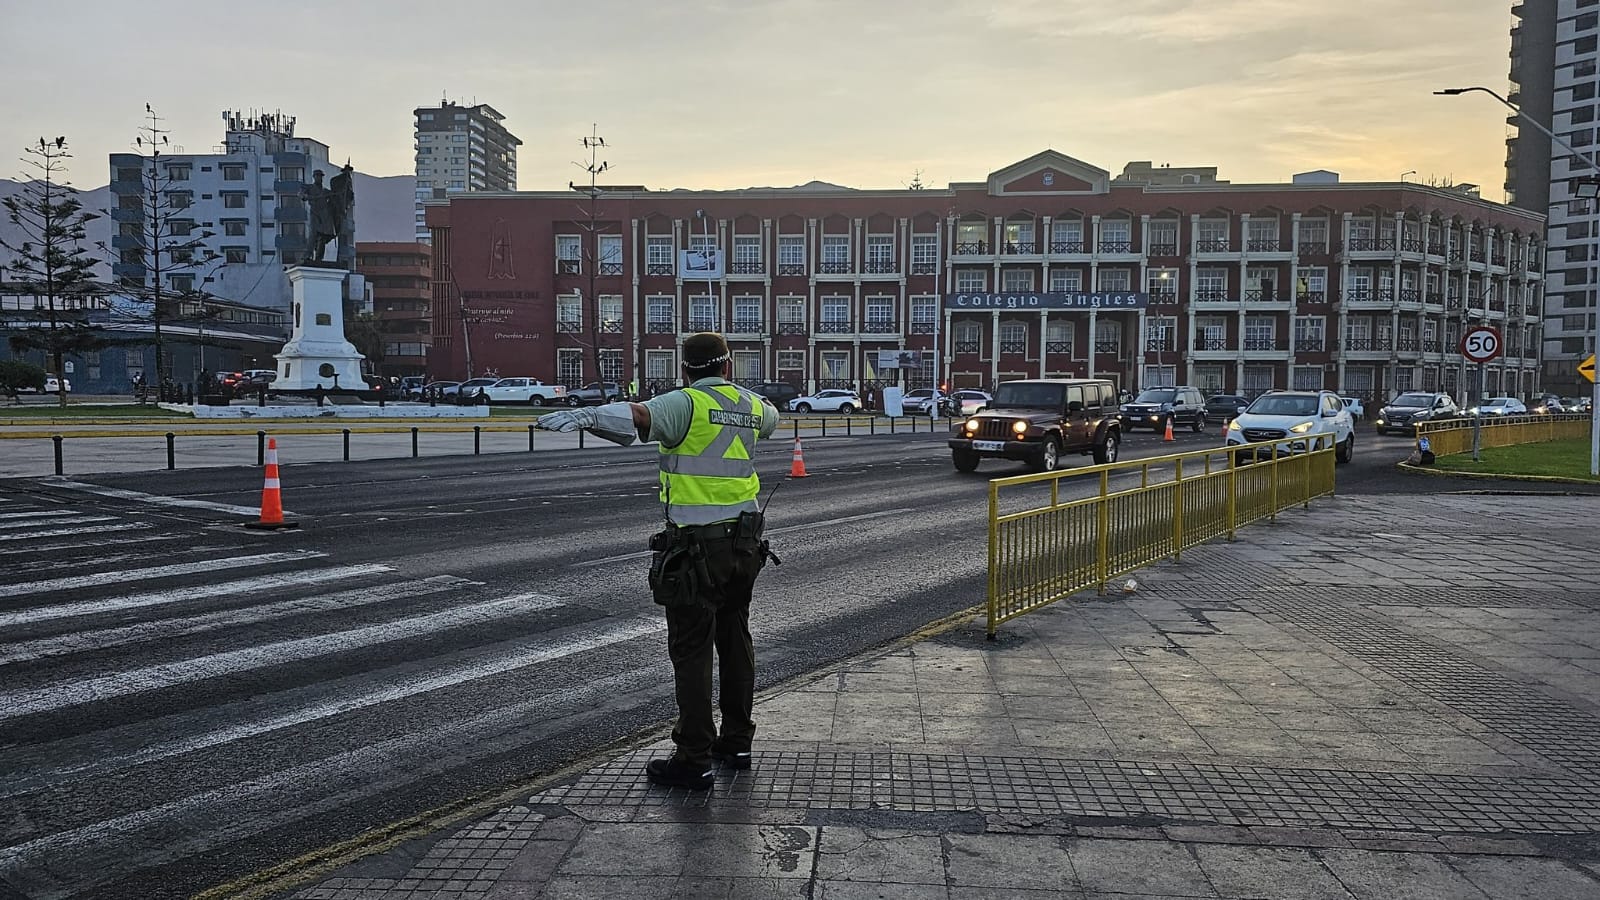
1379	698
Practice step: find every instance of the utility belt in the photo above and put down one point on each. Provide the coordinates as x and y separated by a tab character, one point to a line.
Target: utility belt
694	564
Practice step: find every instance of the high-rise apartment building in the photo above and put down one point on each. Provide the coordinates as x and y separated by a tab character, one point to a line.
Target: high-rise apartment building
461	149
1554	81
243	202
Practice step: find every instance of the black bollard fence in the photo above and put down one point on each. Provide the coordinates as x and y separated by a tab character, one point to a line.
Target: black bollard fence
346	445
796	424
580	438
847	421
261	397
321	395
172	460
530	438
413	442
261	448
56	439
477	439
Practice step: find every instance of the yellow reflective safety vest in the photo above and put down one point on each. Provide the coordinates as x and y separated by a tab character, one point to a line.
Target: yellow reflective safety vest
710	476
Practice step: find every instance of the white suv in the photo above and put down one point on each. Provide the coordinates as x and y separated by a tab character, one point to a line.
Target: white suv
1295	415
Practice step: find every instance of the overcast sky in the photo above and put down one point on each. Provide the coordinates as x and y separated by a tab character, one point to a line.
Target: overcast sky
734	93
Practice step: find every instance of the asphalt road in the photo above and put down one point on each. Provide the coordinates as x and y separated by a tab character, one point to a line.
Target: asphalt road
183	701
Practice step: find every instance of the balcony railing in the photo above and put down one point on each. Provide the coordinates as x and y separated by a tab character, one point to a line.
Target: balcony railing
1066	246
1261	295
1312	297
1358	344
1058	347
658	269
880	267
1021	248
1497	304
1201	342
1369	245
1435	248
659	327
568	326
611	268
1213	245
611	326
1166	248
1455	255
924	268
1263	245
880	328
1313	248
836	384
1308	345
699	323
1385	295
1452	302
970	248
748	267
1163	298
1261	343
1477	254
922	328
1108	346
569	266
1013	346
791	328
745	326
1159	345
791	268
1497	259
1116	246
1213	296
1409	345
966	346
844	327
1412	245
1433	298
833	267
1358	295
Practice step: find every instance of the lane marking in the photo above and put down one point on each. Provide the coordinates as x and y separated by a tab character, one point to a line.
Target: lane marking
62	532
178	595
41	514
187	626
79	545
803	526
72	519
392	691
156	499
79	691
99	579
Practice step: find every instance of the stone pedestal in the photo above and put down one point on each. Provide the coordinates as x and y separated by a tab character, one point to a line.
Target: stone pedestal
317	354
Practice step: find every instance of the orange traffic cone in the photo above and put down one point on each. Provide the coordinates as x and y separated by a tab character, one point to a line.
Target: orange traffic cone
1169	438
271	497
797	468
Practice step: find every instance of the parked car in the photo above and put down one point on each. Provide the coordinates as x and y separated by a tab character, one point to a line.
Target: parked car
531	391
831	400
1038	420
1292	418
1157	407
252	382
1402	414
435	390
1358	410
411	387
778	393
1549	406
1499	406
594	394
52	385
966	402
921	402
468	388
1223	407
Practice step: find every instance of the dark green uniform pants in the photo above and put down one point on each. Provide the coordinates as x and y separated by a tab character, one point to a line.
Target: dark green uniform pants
693	632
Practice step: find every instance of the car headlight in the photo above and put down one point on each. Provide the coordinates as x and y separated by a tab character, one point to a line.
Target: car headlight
1019	426
1303	427
1235	426
972	424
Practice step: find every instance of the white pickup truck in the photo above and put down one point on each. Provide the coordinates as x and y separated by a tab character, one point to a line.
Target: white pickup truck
1357	411
531	391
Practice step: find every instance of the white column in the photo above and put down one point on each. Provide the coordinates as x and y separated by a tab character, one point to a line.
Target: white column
1344	282
994	347
1093	334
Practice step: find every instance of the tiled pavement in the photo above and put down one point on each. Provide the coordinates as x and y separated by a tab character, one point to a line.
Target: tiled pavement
1320	710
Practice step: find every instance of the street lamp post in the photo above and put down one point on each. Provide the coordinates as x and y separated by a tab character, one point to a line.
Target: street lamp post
1587	188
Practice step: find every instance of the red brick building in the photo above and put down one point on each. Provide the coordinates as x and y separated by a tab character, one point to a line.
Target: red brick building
399	274
1363	288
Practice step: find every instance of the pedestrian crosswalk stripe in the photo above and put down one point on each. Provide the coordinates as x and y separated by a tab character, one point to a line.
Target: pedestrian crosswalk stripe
157	499
84	641
40	514
63	532
97	543
67	520
394	689
52	697
178	595
99	579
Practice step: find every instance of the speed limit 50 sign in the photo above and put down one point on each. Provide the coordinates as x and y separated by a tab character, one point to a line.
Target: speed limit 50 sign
1481	344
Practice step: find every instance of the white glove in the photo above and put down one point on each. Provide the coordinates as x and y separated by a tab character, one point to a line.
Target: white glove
571	420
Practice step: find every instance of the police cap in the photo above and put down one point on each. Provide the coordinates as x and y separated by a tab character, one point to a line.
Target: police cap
704	350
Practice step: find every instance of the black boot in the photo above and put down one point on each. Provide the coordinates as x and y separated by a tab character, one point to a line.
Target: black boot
731	759
673	773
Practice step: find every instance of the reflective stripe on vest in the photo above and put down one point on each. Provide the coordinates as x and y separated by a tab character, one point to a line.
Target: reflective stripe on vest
709	476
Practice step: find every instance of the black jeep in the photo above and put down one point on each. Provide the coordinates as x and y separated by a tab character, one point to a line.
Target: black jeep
1038	420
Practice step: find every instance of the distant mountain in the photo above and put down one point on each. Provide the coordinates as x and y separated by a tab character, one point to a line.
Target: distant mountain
385	211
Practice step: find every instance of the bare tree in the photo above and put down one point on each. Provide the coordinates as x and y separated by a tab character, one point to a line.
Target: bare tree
51	264
915	184
594	261
158	245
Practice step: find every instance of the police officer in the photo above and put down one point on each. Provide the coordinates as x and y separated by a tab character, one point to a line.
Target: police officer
706	560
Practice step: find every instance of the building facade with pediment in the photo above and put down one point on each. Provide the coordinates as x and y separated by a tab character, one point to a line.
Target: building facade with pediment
1048	267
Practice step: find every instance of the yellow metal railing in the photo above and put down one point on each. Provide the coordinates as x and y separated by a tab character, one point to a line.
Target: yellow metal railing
1044	548
1453	436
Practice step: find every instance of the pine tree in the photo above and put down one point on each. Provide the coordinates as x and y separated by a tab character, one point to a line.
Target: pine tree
51	264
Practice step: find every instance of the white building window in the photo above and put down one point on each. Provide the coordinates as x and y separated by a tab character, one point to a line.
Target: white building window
658	252
970	281
836	365
1163	235
611	313
792	253
835	314
747	366
924	312
1308	378
791	310
610	254
880	314
747	314
569	254
1058	336
1066	236
1261	282
1212	234
880	252
569	313
658	313
1313	282
1162	333
569	366
1115	280
1258	380
1016	279
1066	280
703	243
791	360
836	252
924	253
1019	238
1116	235
703	313
611	365
1308	333
1211	284
658	366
